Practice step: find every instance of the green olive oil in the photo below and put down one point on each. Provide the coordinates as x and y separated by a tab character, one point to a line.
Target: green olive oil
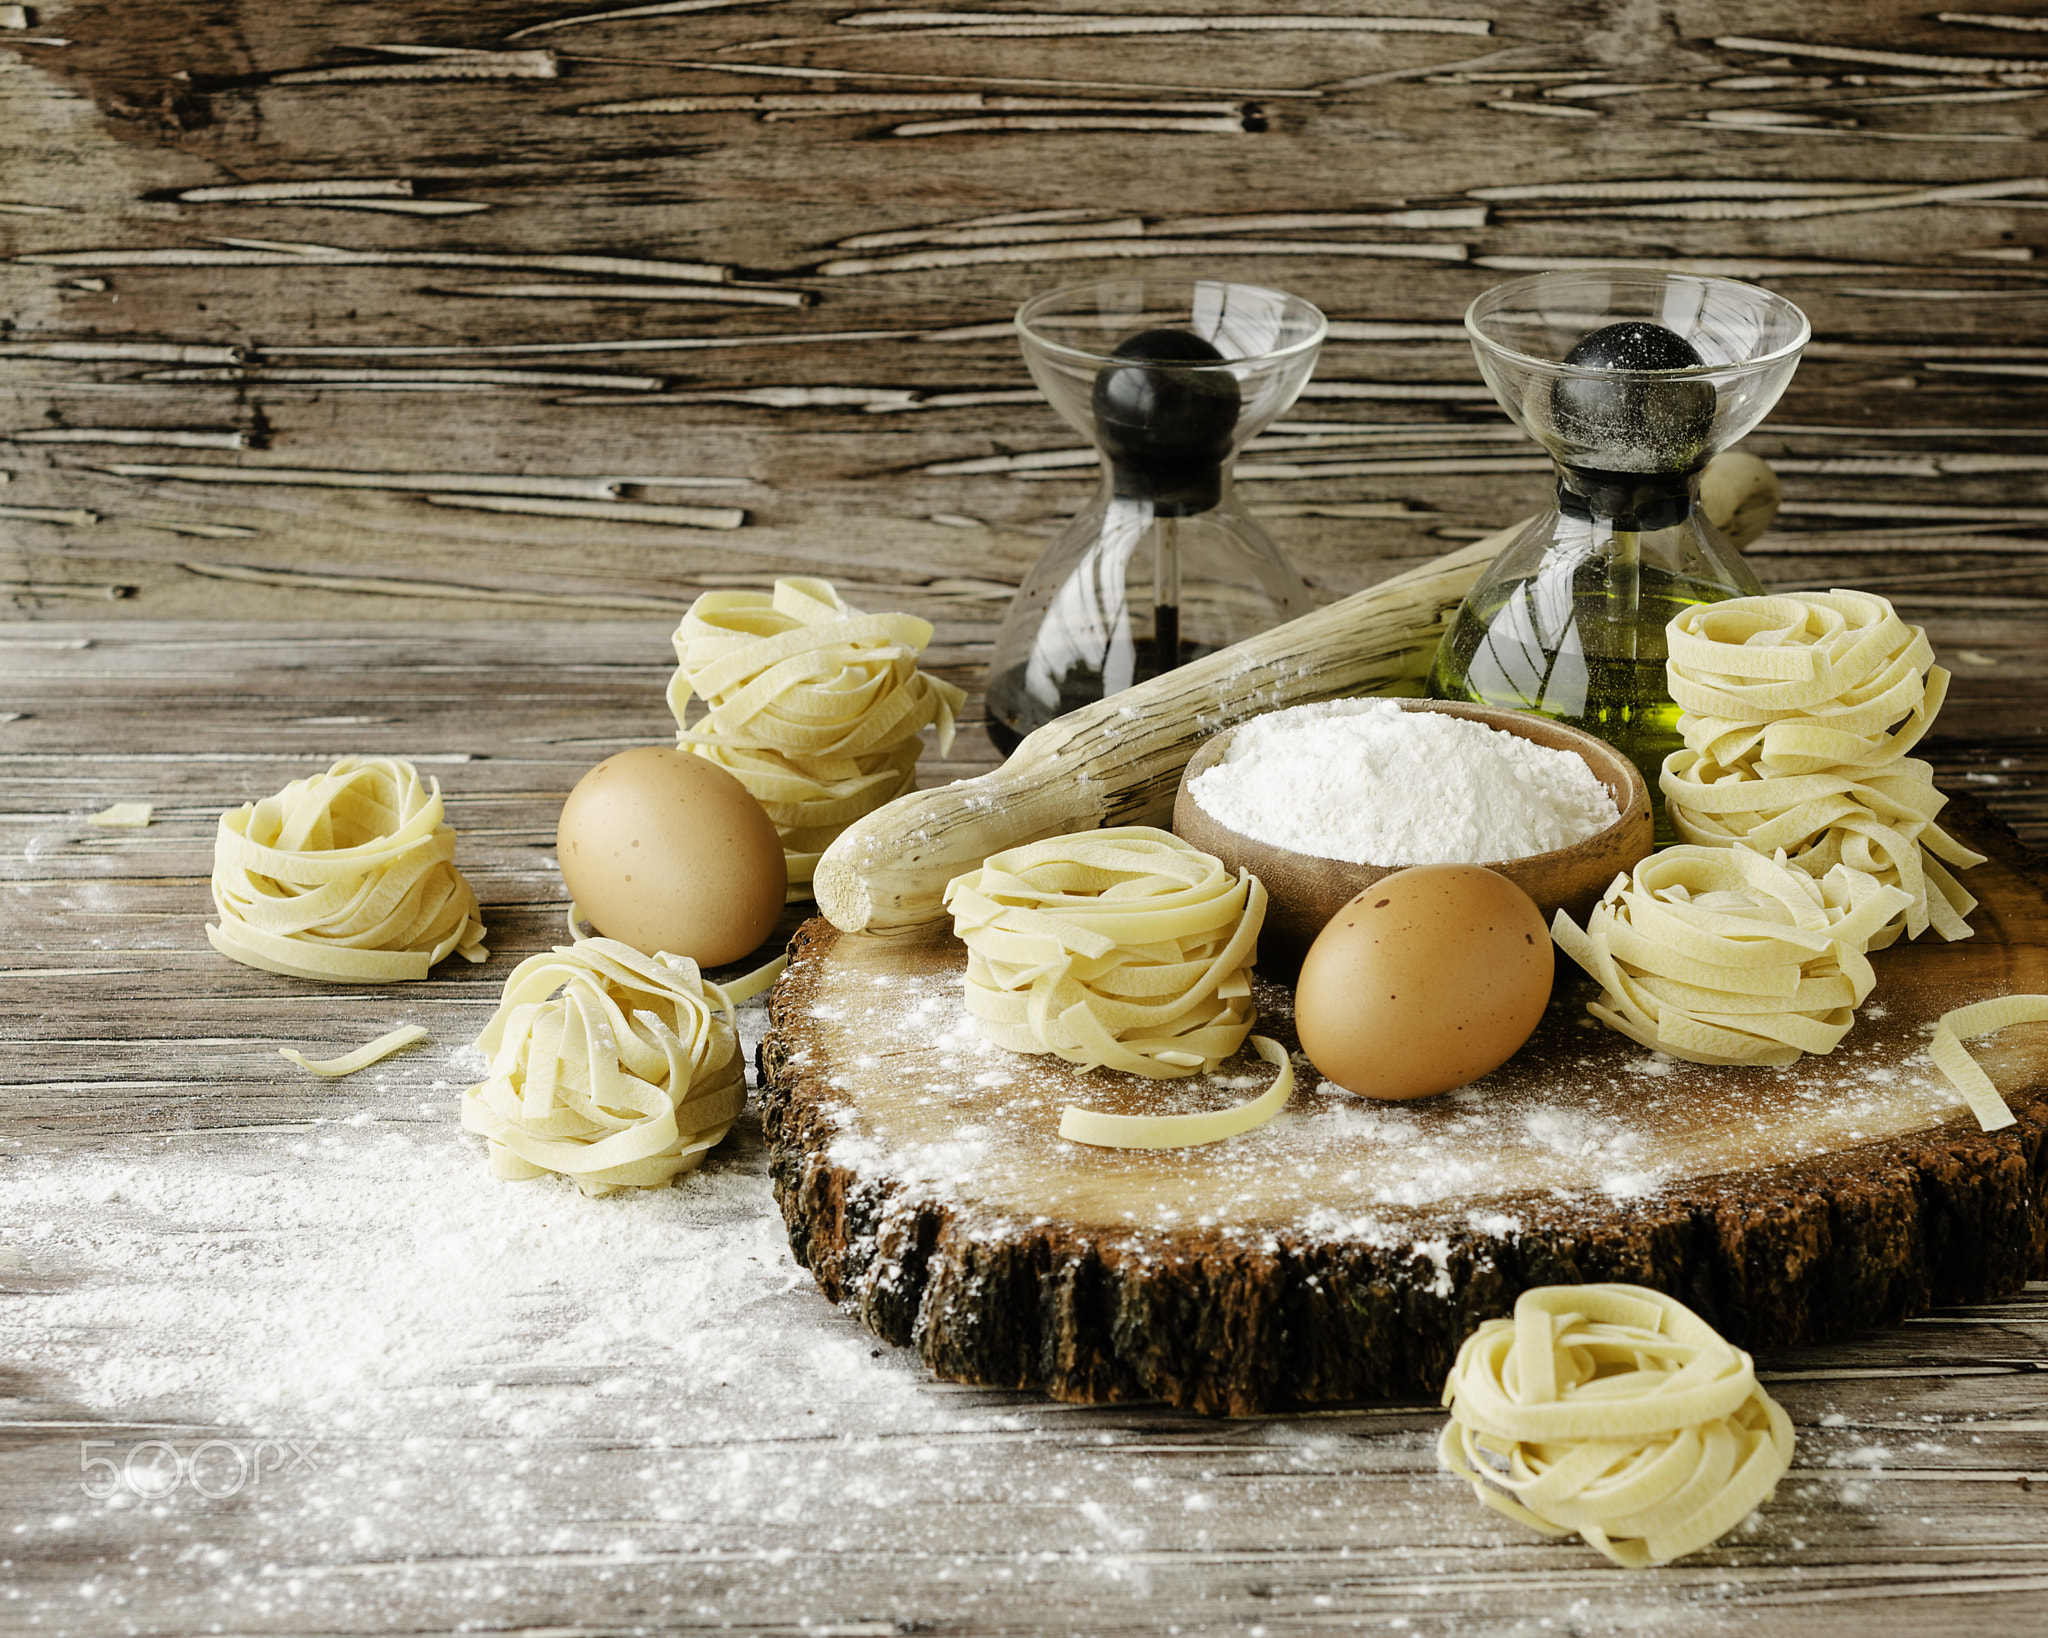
1578	655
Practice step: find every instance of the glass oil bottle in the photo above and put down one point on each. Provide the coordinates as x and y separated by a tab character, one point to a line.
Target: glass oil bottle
1631	381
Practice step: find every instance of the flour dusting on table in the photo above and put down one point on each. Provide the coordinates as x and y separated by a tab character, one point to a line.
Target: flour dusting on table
373	1254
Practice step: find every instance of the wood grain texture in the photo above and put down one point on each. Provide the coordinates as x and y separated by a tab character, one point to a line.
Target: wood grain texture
218	240
529	300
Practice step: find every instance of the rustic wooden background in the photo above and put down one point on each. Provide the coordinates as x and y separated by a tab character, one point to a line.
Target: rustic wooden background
386	377
583	314
520	310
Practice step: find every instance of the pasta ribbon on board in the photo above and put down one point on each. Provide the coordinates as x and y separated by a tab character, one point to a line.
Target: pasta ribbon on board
1724	956
1953	1059
1105	1131
1797	713
1617	1413
1122	949
609	1067
815	707
348	876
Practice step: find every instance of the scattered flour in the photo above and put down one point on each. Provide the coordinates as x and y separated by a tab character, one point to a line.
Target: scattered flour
370	1262
510	1397
1365	781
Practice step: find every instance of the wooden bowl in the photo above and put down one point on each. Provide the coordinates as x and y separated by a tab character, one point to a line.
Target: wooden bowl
1304	891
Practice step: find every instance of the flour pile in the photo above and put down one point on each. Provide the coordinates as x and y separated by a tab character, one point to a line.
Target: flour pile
1367	782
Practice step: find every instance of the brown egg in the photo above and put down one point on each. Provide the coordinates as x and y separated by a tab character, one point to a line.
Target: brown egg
666	851
1428	979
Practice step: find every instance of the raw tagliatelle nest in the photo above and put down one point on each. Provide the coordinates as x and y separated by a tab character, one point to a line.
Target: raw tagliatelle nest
812	705
1724	956
1616	1413
1124	949
1797	714
347	876
609	1067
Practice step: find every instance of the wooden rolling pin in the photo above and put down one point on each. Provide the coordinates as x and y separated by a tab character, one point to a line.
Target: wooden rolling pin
1119	761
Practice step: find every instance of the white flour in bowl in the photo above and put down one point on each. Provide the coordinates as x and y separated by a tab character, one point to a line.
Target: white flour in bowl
1365	781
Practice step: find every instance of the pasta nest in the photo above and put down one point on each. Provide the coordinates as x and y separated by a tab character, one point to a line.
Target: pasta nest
1124	949
1797	713
609	1067
814	706
1724	956
347	876
1616	1413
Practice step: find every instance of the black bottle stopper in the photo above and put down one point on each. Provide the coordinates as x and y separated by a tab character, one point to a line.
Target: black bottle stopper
1621	425
1167	431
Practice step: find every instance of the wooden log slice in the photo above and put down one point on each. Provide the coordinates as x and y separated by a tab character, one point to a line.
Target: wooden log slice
1344	1251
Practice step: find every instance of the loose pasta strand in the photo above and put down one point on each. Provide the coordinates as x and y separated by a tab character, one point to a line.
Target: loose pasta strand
1105	1131
1953	1059
370	1052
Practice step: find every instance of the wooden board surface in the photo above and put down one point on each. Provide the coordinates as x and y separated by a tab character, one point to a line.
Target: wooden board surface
730	1454
1344	1250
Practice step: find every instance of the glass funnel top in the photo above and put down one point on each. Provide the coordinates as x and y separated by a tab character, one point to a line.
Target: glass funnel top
1635	372
1264	340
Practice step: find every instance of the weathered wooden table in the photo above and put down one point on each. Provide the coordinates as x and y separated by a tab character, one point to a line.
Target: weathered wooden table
388	378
